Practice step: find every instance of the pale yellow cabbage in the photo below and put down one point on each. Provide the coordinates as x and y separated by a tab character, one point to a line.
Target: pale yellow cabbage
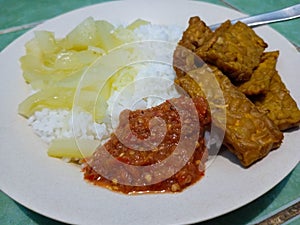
54	67
71	148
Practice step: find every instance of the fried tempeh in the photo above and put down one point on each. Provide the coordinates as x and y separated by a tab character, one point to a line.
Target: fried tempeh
194	37
254	124
277	103
234	49
260	80
249	133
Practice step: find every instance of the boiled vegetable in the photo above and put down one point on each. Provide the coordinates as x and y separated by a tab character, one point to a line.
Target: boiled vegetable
72	148
54	68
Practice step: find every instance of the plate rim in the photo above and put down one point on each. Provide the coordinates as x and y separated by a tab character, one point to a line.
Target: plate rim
7	48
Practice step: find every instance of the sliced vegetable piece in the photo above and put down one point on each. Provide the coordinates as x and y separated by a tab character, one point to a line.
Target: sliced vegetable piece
73	60
46	42
101	105
53	98
115	83
32	48
84	35
137	23
63	98
105	39
71	148
123	78
123	35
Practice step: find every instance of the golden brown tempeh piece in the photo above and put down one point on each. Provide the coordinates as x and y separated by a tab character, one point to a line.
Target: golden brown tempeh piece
277	103
194	37
235	50
190	86
259	82
236	55
203	83
249	134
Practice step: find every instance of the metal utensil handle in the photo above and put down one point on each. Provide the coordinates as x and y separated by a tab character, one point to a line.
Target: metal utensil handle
288	13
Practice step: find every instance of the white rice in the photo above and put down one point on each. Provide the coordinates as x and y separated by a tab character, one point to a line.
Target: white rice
170	33
56	124
155	81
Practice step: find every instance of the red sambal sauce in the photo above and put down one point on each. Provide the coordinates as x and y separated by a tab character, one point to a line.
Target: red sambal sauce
124	166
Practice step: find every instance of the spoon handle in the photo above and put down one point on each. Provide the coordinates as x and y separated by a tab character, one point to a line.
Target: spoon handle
288	13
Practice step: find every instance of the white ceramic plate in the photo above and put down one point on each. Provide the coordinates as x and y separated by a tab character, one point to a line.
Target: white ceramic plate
57	190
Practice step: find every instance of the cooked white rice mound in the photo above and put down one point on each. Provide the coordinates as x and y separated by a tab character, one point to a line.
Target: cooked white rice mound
58	124
170	33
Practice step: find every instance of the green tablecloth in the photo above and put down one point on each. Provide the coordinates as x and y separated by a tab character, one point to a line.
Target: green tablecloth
15	13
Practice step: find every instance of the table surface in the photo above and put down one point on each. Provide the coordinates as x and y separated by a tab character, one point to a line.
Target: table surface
16	17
